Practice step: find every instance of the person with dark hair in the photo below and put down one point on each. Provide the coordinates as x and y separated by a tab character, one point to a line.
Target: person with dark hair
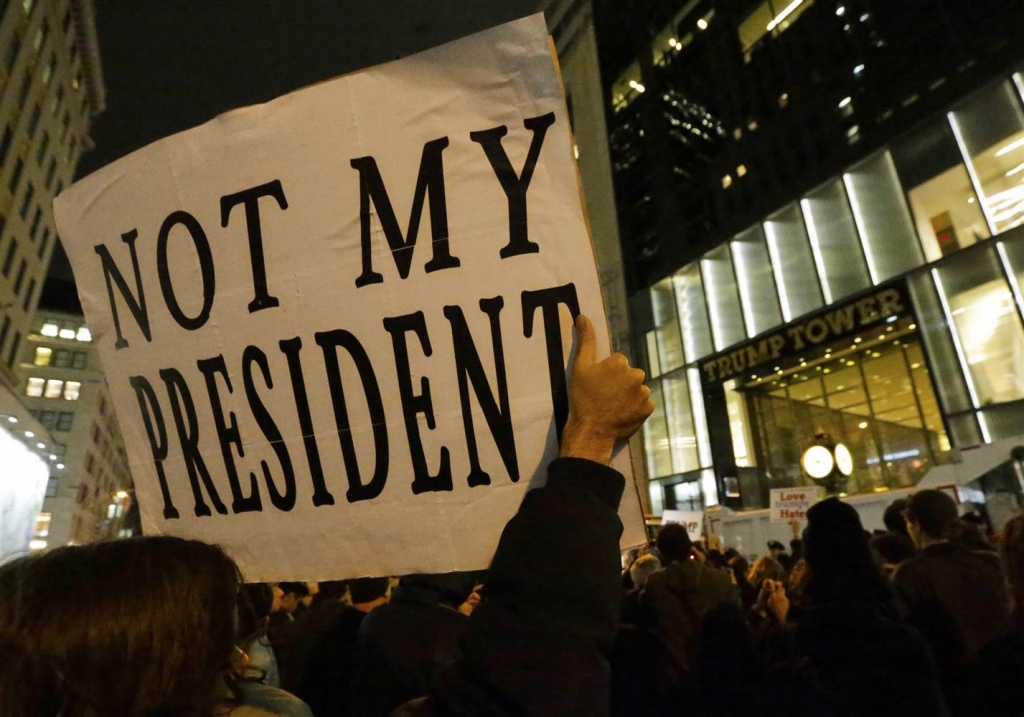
847	654
955	594
133	628
893	548
255	601
293	639
331	663
403	643
893	517
679	595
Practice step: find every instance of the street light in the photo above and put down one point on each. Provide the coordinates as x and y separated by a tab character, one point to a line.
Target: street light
827	462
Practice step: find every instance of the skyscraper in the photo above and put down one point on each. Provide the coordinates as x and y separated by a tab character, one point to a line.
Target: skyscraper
50	88
821	211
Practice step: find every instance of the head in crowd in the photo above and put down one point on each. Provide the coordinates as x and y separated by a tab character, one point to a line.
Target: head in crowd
255	601
765	568
1013	564
331	591
932	517
143	626
893	548
291	596
841	566
775	549
674	543
367	593
740	566
449	589
642	569
797	579
893	516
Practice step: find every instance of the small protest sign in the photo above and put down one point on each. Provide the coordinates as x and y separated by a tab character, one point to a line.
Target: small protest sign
789	504
336	326
692	520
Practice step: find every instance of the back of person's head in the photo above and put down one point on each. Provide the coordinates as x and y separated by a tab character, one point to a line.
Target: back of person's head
331	590
1013	564
299	590
841	565
449	589
935	514
674	543
893	547
364	590
642	568
134	628
765	568
893	516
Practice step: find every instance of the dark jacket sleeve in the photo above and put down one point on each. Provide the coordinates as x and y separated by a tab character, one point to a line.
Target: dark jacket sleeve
537	645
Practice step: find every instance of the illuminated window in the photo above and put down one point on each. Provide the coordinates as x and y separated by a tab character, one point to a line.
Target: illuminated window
35	387
49	329
946	210
989	130
83	334
71	390
53	388
42	357
770	17
67	333
43	524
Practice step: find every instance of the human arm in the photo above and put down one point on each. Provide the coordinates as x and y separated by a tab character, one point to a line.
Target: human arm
537	644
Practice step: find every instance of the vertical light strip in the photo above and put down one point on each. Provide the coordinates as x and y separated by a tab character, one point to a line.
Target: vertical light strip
964	368
700	421
716	323
1011	276
773	254
819	260
685	322
1018	80
975	182
862	230
983	425
743	279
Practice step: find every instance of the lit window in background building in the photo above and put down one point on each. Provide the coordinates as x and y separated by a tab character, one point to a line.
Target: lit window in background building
67	333
71	390
34	388
42	357
43	525
83	334
50	329
53	388
770	17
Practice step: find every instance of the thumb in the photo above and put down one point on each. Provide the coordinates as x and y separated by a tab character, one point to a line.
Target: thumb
587	342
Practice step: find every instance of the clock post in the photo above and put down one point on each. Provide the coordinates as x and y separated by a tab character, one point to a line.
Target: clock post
828	463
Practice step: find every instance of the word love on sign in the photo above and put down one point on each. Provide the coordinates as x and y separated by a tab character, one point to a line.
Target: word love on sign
789	504
336	326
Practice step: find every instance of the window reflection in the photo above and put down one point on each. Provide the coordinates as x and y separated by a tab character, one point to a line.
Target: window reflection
683	439
668	344
659	457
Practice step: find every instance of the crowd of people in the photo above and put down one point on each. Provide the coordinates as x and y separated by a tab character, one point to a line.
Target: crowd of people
926	618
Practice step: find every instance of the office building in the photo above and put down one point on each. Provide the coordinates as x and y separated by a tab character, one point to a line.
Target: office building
822	211
89	492
50	88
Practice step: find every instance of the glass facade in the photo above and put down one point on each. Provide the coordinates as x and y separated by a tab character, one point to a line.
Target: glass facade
938	211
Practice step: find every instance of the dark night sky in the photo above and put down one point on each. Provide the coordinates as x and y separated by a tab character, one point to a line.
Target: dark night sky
169	66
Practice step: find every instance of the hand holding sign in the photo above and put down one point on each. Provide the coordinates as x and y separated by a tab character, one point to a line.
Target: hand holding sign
607	400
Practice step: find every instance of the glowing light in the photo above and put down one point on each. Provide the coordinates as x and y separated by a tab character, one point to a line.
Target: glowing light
845	101
970	171
956	339
121	494
773	254
784	14
637	86
862	424
819	260
862	230
1010	147
29	434
702	24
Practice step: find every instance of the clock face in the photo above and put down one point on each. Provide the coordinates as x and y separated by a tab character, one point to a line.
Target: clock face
844	461
817	461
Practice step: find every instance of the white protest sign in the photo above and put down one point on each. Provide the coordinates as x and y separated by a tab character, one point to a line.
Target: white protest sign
336	326
789	504
692	520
